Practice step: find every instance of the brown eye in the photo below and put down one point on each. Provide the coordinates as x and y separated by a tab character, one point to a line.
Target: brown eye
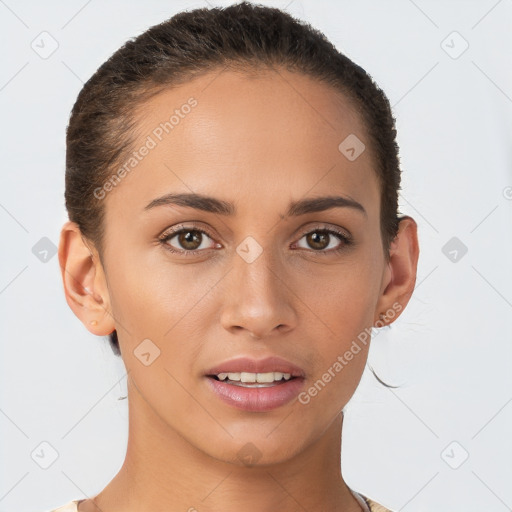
318	240
187	240
324	241
190	240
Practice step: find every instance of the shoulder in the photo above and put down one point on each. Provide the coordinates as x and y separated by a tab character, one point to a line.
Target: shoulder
72	506
372	505
368	504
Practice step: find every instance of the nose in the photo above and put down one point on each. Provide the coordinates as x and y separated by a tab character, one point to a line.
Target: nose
258	298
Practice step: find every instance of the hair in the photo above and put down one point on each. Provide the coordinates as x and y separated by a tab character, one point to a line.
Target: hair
242	36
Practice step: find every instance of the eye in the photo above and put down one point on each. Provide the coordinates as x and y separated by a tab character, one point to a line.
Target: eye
323	240
187	240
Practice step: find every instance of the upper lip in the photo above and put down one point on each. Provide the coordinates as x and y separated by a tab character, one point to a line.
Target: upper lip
246	364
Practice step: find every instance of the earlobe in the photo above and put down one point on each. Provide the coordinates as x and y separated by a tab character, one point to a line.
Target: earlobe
84	281
400	273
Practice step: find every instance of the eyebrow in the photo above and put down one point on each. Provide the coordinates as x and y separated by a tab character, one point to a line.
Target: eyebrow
214	205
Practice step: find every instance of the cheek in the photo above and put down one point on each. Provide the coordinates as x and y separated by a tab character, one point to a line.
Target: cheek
153	297
344	297
349	320
343	349
344	313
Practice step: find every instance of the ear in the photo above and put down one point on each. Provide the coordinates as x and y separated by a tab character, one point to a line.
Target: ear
84	281
399	277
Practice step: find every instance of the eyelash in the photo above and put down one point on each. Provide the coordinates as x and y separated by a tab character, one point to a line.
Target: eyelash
163	239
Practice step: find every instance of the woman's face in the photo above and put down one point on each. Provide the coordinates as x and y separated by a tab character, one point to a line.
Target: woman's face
254	274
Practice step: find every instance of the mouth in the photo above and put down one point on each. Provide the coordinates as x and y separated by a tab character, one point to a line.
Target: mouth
256	385
253	380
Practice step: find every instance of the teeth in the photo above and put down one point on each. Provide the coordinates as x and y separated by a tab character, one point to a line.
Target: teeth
247	377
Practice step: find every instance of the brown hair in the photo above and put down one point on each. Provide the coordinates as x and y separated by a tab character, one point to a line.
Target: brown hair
101	129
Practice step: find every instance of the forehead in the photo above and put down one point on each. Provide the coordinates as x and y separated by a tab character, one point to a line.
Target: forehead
271	135
294	108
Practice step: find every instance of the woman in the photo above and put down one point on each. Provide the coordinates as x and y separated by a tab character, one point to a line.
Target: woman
232	186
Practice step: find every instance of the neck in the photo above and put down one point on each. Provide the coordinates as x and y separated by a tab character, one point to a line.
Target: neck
163	470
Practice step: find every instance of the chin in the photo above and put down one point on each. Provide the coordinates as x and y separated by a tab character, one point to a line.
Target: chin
258	450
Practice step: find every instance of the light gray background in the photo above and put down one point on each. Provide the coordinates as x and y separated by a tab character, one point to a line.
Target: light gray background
450	352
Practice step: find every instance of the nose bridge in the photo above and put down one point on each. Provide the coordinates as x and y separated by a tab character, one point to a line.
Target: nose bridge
256	298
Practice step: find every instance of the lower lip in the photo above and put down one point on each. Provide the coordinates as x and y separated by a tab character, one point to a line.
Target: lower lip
257	399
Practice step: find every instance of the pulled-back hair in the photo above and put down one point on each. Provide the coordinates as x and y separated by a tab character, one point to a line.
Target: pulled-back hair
242	36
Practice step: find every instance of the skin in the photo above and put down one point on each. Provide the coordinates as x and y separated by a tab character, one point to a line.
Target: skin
258	142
